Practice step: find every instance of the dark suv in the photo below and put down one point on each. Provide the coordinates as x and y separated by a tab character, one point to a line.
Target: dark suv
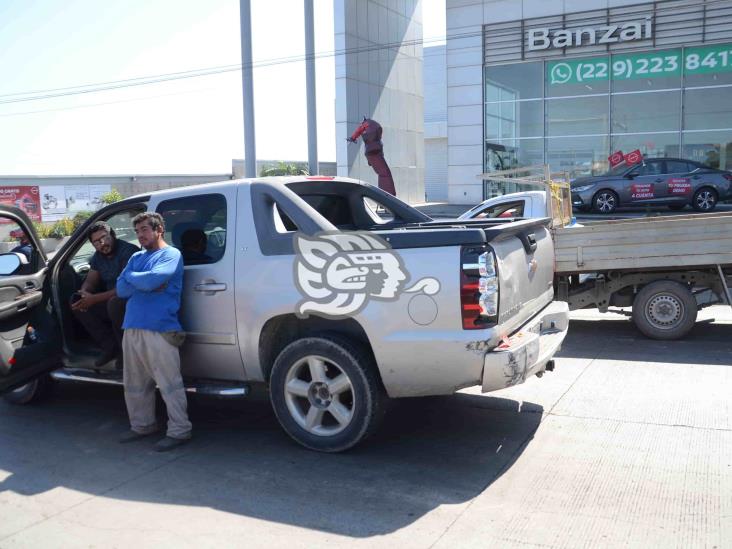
672	182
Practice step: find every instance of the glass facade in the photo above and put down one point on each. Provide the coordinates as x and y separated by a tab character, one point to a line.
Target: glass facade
572	113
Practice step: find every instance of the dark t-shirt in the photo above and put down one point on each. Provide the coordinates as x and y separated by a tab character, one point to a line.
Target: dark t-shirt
110	267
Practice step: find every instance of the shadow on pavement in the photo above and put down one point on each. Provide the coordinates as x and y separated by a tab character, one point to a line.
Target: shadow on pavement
429	452
707	343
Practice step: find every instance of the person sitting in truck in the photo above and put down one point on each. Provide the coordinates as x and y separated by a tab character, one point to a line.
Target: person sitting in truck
96	305
24	246
193	247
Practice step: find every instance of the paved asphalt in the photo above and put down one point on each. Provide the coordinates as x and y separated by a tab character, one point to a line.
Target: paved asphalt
627	444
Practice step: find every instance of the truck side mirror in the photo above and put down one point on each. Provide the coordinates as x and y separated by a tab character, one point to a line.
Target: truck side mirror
9	263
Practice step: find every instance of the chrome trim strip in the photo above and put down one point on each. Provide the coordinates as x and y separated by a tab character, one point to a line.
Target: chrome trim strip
212	389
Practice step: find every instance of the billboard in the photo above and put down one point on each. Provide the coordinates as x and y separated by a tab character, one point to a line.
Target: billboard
24	197
48	203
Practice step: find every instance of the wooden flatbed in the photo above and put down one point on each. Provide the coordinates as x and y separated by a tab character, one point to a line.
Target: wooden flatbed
701	240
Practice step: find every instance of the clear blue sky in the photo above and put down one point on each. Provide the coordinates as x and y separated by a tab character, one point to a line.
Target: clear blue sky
183	126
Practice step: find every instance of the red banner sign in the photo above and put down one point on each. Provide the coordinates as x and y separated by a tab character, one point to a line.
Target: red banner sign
616	159
679	185
633	157
25	198
641	190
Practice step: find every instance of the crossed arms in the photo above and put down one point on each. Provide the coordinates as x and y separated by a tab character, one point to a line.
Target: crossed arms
130	281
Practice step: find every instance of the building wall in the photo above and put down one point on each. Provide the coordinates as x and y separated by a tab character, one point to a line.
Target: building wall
435	178
382	83
494	32
127	185
435	124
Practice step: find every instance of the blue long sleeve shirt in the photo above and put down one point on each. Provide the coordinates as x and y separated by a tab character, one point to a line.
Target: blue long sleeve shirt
153	282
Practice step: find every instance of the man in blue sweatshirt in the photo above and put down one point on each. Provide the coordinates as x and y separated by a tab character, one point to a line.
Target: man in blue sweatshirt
153	280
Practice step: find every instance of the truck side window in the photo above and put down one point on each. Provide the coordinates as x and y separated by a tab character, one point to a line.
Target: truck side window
196	225
283	224
379	213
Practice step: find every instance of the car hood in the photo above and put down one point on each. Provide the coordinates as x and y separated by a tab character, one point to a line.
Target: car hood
590	180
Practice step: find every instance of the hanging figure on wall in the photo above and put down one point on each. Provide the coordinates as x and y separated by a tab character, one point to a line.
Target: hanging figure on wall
370	131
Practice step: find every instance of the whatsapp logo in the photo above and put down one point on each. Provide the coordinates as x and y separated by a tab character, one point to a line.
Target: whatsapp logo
560	73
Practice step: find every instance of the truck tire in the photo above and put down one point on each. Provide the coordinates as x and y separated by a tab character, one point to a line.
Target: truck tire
605	201
30	393
326	393
664	310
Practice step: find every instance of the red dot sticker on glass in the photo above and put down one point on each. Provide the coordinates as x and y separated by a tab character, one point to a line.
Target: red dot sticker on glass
679	185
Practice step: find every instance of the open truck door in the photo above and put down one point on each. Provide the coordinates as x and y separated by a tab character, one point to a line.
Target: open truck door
30	343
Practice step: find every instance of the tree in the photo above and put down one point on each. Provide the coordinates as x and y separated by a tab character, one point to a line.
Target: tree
283	168
111	197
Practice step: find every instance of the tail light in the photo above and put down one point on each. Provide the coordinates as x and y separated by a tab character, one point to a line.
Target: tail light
479	288
727	176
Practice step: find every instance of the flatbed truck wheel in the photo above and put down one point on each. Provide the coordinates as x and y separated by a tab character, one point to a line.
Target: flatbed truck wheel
665	310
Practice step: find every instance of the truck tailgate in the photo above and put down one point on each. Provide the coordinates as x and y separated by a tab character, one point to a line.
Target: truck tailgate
525	260
524	256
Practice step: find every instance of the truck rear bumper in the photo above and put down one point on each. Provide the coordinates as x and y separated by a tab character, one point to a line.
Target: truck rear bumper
528	350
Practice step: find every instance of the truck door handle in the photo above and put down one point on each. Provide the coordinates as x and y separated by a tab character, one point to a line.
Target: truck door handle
697	177
210	287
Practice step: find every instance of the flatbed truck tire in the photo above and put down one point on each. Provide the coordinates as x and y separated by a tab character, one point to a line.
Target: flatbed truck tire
664	310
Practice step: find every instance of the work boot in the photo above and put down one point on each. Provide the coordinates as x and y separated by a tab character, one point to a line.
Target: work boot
168	443
132	436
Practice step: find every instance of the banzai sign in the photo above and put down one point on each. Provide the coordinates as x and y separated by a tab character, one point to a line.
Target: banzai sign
544	38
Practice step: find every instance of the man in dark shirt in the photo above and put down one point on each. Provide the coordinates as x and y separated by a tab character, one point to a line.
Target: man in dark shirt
96	304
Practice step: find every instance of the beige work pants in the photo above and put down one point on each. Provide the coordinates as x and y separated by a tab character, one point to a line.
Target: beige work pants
149	360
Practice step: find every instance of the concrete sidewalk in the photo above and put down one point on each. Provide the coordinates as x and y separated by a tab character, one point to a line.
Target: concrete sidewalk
627	444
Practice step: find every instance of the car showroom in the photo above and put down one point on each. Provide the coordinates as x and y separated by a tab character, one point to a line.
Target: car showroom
571	89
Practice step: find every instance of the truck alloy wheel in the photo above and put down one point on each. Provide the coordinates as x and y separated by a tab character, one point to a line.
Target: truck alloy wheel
664	310
605	202
705	200
325	393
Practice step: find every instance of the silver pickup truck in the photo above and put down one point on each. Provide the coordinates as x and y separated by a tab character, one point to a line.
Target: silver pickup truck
333	294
